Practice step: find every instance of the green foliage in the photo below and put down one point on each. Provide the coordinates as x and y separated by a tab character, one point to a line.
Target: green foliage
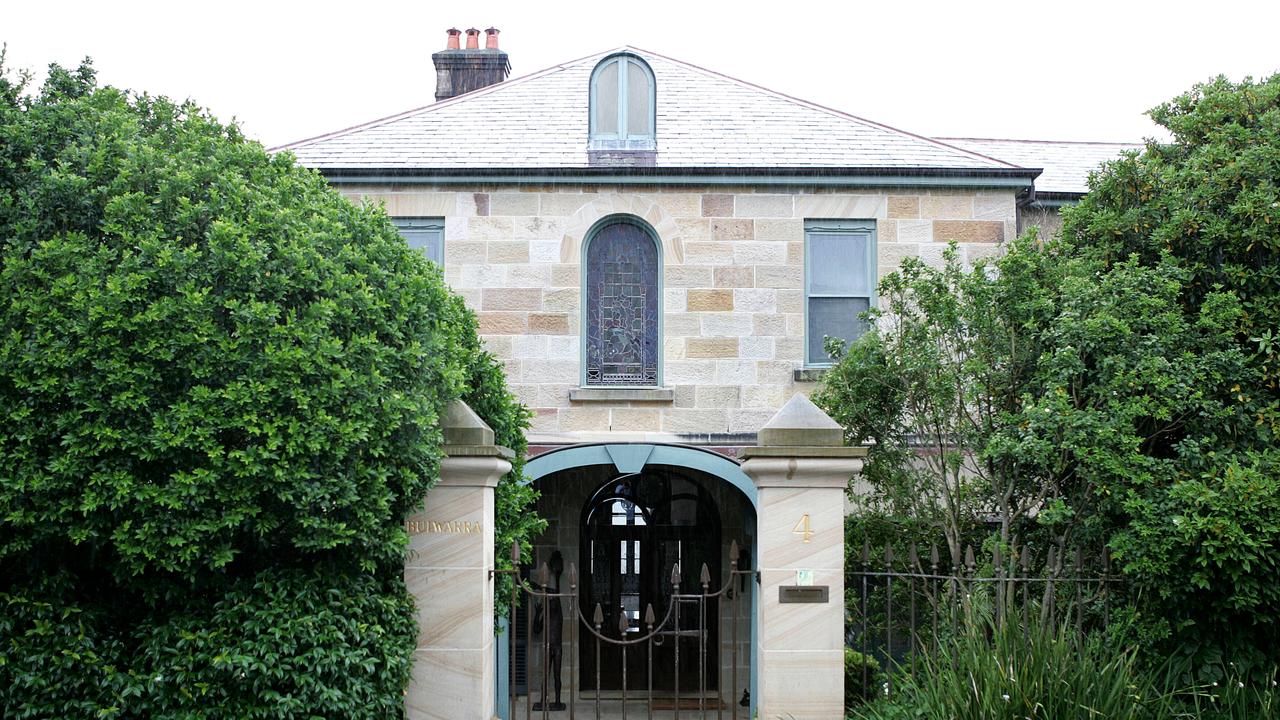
285	643
282	644
944	370
206	352
1237	696
58	660
1123	381
220	386
856	689
1197	525
990	673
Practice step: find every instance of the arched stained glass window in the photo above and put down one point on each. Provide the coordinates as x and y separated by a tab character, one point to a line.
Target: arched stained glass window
622	104
622	305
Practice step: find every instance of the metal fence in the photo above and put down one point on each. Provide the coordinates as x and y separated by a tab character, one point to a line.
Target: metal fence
685	617
898	608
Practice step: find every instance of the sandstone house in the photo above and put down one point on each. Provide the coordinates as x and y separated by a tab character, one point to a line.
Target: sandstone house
656	251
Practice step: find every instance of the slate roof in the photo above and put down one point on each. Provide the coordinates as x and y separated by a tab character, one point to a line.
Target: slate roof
704	120
1066	164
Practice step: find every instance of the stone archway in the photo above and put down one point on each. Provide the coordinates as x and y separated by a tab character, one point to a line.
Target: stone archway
574	478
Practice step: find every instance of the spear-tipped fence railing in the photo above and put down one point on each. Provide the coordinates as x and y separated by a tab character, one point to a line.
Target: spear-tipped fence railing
898	608
657	631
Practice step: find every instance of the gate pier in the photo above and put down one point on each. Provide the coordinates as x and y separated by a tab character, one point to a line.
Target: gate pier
449	573
801	469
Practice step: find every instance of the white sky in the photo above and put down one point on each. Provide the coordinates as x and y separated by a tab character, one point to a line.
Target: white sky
1081	70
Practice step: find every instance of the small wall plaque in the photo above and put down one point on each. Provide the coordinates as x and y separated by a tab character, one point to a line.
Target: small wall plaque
804	594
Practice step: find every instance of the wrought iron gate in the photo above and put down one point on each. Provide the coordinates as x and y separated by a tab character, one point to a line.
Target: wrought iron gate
686	616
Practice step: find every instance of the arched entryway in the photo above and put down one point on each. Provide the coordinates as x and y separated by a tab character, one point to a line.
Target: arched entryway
628	515
637	529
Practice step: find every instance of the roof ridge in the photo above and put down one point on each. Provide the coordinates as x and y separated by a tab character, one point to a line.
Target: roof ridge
440	104
1042	142
822	108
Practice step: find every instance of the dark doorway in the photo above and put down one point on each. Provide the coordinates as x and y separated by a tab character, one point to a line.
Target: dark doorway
635	529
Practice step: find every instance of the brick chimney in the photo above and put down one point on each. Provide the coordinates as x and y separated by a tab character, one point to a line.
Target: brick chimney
461	70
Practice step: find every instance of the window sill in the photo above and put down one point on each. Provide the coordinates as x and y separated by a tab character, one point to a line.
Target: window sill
621	394
813	374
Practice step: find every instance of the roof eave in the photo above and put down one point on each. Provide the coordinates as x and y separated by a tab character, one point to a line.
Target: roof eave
1050	199
737	176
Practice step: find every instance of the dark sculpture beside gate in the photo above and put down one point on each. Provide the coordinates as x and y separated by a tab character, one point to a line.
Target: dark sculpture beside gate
551	618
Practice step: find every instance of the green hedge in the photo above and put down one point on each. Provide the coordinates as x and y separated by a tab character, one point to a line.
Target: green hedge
220	386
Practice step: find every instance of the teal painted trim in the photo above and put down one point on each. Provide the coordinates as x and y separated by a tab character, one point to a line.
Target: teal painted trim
629	458
423	233
582	293
738	180
872	266
502	652
593	102
572	456
575	456
755	640
707	462
623	138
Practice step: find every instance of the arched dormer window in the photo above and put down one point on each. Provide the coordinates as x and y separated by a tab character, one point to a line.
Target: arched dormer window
622	312
623	95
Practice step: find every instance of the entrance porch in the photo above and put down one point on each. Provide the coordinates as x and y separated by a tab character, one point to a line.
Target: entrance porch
671	580
649	549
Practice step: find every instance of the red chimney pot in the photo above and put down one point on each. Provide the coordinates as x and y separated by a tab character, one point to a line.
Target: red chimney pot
491	38
473	39
452	43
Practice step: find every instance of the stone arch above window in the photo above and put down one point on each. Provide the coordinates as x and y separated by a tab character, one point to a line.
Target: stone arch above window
598	206
623	95
622	305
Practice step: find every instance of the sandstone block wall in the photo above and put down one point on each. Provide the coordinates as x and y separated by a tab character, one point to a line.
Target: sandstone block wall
733	298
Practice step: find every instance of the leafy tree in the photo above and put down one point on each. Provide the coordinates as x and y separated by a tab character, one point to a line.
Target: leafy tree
220	386
944	371
1121	382
1198	524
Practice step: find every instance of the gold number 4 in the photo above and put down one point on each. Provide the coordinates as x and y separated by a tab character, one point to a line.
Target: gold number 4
802	528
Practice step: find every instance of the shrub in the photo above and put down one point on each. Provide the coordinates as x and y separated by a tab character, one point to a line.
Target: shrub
989	673
284	643
861	677
220	385
1198	531
59	658
206	352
